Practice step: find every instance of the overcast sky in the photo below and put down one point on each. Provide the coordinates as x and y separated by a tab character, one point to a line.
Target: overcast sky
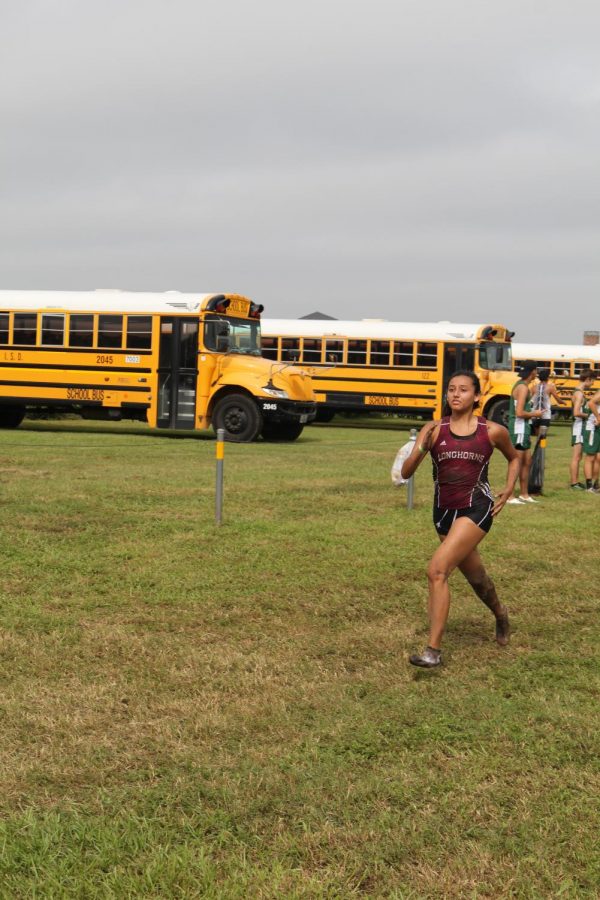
407	160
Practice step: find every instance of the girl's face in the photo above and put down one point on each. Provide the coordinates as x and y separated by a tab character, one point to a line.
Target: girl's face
461	394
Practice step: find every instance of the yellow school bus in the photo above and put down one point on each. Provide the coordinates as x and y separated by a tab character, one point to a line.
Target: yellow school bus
565	362
176	361
373	366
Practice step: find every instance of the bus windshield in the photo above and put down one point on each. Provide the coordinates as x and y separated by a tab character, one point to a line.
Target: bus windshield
495	356
226	335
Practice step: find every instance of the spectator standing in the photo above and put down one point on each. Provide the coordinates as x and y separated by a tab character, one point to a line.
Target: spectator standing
591	444
541	402
586	379
520	414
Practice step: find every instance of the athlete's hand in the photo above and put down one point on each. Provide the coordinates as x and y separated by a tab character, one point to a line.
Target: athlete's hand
425	441
500	501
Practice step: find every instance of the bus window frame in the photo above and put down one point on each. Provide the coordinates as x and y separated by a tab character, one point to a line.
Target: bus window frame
419	352
52	315
36	317
311	362
411	364
380	365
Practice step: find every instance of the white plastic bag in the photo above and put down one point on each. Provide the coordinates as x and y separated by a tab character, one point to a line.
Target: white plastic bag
402	455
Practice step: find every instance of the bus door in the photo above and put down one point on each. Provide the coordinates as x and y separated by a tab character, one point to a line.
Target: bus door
177	372
456	356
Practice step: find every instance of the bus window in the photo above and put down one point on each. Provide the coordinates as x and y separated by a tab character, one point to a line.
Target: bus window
24	331
380	353
188	344
580	365
290	349
357	353
403	353
334	351
311	352
139	332
426	356
53	330
495	356
3	328
81	330
110	331
269	347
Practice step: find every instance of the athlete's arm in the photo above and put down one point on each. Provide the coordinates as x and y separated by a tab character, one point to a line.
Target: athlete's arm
422	446
577	404
500	439
521	396
593	405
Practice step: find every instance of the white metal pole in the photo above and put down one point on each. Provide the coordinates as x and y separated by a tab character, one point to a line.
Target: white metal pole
410	487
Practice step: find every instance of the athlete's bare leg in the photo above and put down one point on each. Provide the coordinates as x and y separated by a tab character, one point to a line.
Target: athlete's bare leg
474	571
576	462
524	472
588	467
461	540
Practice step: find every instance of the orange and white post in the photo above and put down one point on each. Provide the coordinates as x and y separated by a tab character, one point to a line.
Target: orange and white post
220	454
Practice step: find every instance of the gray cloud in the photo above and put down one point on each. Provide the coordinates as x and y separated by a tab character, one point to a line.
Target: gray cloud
408	159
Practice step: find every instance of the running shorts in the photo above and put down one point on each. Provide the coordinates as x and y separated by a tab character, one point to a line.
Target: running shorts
520	434
591	443
481	515
577	432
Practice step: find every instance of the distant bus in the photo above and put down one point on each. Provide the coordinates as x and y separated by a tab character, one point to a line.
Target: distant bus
565	362
172	360
373	366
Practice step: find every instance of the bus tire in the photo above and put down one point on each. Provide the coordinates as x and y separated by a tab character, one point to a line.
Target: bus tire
239	416
498	412
282	431
324	415
11	416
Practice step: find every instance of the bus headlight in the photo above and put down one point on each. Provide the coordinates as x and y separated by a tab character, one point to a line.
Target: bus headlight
274	392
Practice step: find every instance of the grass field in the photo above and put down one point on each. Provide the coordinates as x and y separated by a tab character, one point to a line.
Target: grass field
228	713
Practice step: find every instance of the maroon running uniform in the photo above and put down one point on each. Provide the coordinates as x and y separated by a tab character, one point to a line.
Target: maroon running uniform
460	473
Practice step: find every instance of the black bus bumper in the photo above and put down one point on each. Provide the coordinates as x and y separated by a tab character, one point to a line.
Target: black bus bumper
300	411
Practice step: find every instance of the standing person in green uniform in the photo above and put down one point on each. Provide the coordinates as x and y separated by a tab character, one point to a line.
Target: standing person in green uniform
591	444
580	414
520	415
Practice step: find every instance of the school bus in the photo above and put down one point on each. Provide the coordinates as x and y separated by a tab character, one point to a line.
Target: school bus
565	362
175	361
374	366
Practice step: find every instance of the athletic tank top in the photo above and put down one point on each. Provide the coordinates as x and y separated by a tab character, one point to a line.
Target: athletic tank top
541	400
460	466
512	408
590	422
577	429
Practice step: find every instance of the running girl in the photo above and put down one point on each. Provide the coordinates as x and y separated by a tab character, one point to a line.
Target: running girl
461	445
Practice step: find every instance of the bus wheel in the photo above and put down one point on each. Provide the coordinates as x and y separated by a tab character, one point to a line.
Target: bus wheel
324	415
281	431
239	416
11	416
498	412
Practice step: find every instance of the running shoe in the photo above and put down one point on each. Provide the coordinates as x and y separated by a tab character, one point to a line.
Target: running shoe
503	629
578	486
593	490
528	500
428	659
516	501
